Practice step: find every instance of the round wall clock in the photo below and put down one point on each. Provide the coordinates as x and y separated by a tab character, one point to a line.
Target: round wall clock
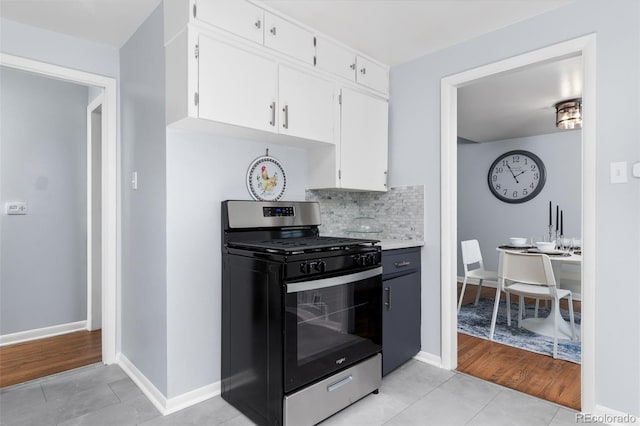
516	176
266	179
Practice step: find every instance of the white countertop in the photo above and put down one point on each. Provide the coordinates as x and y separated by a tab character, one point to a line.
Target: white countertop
398	244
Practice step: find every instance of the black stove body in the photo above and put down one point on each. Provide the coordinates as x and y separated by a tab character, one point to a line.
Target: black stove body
301	314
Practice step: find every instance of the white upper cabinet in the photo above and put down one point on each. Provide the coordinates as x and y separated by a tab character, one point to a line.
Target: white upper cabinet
335	59
238	17
288	38
372	75
307	104
346	63
236	86
363	142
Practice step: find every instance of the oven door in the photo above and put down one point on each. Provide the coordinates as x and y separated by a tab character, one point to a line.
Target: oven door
331	324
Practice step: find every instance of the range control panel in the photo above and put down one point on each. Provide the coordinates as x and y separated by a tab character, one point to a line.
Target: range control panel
277	211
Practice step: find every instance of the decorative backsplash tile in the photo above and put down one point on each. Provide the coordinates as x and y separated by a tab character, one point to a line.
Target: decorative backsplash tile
399	211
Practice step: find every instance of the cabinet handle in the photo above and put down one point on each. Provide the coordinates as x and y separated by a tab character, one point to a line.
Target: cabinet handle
402	264
286	116
363	71
258	24
352	66
273	30
388	302
273	113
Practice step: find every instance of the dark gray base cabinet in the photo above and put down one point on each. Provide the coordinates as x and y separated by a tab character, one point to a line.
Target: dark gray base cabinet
400	307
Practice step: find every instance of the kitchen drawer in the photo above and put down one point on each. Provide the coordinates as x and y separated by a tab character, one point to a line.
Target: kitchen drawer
400	261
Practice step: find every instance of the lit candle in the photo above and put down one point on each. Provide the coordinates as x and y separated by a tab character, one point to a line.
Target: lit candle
557	213
561	223
549	213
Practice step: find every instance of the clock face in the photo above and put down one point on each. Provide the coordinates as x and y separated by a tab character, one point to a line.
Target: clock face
516	176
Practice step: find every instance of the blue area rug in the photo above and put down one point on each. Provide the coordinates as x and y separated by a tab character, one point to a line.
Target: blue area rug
476	321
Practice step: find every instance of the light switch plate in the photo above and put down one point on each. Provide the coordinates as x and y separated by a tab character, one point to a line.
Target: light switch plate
15	207
619	172
636	170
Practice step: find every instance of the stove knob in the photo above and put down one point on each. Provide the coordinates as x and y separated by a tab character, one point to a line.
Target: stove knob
305	268
321	266
356	259
370	259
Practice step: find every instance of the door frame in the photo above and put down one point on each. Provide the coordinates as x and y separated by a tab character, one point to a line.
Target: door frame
586	47
110	224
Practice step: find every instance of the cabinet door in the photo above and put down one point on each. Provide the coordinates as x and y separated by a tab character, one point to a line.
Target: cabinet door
335	59
363	141
288	38
307	105
372	75
400	320
236	86
236	16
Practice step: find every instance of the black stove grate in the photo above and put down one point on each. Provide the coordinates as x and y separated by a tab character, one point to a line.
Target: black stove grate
302	245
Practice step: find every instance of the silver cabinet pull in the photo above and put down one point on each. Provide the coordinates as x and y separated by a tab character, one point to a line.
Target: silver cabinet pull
258	24
402	264
363	71
286	116
340	383
388	302
273	113
273	30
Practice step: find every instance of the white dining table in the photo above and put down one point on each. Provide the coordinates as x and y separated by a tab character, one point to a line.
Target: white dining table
545	325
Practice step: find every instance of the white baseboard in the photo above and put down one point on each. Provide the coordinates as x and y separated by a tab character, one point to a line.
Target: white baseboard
155	396
428	358
41	333
610	416
164	405
193	397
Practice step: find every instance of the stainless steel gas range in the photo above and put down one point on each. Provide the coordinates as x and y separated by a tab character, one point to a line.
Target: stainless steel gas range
301	314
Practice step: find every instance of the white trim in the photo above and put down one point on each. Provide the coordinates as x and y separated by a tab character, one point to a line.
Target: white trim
193	397
585	46
601	410
164	405
150	391
42	333
110	230
98	101
428	358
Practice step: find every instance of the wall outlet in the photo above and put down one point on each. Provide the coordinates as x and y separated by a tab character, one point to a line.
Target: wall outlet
15	207
636	170
619	172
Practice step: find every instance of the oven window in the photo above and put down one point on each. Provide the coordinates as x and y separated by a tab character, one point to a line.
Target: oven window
329	328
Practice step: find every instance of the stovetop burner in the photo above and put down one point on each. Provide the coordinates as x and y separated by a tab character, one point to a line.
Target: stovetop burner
302	245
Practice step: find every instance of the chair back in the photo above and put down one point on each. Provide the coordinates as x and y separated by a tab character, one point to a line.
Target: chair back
471	254
527	268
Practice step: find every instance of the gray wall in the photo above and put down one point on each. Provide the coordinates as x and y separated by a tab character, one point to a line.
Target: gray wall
483	217
144	282
43	141
415	158
202	171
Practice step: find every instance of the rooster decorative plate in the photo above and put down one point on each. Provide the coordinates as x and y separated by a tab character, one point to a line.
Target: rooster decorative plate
266	179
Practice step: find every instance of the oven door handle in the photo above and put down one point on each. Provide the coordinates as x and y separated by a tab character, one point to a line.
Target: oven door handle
333	281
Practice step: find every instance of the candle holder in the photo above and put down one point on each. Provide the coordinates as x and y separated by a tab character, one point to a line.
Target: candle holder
558	238
551	233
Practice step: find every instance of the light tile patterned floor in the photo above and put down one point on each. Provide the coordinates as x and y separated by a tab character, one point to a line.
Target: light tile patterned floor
414	394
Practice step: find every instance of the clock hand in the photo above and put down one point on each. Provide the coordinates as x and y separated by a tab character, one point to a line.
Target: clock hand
514	176
520	173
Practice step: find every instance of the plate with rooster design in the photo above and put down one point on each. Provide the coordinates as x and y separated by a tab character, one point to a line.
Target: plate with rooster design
266	179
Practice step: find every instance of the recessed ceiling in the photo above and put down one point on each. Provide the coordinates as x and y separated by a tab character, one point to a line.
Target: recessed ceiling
110	22
397	31
391	31
519	103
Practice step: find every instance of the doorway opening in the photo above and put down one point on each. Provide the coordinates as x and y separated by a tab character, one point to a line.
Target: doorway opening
102	224
584	47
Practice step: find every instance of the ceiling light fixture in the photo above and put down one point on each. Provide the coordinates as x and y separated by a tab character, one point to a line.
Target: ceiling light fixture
569	114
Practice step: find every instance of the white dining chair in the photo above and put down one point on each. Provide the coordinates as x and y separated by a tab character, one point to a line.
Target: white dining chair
471	255
530	275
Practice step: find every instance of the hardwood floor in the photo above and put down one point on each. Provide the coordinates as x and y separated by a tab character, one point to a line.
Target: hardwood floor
30	360
534	374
